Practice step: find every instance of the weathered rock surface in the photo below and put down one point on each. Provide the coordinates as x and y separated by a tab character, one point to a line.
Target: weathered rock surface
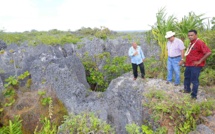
30	109
60	69
116	47
202	129
3	45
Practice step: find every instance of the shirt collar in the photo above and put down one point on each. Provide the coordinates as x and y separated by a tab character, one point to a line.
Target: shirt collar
193	41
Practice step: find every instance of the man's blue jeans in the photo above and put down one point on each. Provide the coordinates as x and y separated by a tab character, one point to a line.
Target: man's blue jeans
191	75
173	66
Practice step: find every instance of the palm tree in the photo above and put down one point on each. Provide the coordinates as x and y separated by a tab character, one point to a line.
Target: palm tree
192	21
159	30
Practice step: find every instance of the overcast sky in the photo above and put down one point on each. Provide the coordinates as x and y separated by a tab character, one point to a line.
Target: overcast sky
25	15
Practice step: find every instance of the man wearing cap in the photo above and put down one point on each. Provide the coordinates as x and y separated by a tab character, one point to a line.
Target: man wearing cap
175	48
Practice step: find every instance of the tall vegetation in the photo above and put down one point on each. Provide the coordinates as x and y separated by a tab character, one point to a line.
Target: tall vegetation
100	77
85	123
159	30
182	113
52	37
102	32
166	23
192	21
13	127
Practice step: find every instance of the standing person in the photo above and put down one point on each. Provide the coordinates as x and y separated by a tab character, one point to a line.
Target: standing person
196	55
137	58
175	48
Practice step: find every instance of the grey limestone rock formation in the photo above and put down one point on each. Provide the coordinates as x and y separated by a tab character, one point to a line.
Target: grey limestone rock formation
59	68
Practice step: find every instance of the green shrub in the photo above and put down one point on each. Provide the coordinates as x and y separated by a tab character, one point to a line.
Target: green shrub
210	60
207	77
94	76
14	127
47	128
84	123
115	67
135	129
100	78
52	37
101	33
154	68
182	112
11	84
132	129
45	100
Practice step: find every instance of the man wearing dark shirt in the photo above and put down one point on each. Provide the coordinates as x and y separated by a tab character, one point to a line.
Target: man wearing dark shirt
196	55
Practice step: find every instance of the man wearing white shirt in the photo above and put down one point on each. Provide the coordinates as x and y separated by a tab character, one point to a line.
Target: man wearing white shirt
175	47
137	58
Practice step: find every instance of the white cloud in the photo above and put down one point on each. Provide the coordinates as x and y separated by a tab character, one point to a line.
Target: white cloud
73	14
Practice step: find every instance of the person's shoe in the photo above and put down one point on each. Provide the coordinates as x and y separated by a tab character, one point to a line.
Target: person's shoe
176	84
134	78
167	82
184	91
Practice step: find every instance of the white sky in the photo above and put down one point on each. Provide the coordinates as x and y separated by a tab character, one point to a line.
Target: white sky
25	15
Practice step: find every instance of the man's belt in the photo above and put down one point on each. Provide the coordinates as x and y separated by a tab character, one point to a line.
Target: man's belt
175	57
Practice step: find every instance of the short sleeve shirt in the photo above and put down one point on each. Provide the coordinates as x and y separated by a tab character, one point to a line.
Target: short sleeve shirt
174	48
196	53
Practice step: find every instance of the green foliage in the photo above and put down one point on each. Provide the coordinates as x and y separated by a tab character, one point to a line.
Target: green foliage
47	128
146	129
11	101
132	129
154	68
128	36
87	31
45	100
164	24
94	77
158	94
159	30
1	109
23	76
11	81
148	36
9	95
100	78
182	112
84	123
115	67
28	83
135	129
101	33
9	92
191	21
41	93
211	59
207	77
52	37
14	127
2	52
211	91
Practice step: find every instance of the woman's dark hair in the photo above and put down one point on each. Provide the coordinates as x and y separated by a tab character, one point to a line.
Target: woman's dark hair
193	31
